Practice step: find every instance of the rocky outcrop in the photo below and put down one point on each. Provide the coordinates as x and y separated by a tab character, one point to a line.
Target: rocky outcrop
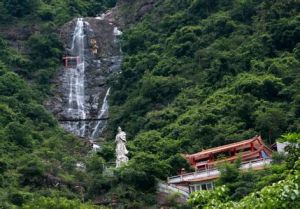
102	58
128	12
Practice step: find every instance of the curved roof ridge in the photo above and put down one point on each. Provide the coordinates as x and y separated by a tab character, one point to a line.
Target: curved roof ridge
226	146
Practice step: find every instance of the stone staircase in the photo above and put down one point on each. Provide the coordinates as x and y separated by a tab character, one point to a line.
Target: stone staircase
169	189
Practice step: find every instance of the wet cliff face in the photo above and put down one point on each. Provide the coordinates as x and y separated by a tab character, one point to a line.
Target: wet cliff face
81	89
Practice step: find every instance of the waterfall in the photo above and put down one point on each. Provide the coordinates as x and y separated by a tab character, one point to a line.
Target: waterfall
75	77
92	55
115	66
103	112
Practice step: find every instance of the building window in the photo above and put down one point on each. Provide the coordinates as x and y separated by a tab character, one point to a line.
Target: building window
192	189
209	186
201	186
264	154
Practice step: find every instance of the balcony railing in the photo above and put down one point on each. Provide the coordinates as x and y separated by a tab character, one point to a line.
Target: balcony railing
214	172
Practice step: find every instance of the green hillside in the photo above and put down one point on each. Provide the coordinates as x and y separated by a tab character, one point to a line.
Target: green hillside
38	159
204	74
196	74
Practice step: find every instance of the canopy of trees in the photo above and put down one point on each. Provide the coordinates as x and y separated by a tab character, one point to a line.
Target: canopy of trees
198	74
195	74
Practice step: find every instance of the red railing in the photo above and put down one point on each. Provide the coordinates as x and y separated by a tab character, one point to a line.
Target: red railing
69	61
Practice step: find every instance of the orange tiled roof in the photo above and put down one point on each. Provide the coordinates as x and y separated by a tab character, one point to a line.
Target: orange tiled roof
225	147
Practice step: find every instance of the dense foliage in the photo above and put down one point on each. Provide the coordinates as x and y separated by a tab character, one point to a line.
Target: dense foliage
38	160
198	74
210	73
59	11
37	157
39	56
280	194
58	203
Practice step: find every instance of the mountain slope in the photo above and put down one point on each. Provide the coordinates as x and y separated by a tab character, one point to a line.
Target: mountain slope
200	74
39	161
196	74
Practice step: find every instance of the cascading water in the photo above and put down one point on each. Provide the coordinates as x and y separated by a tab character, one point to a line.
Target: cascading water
103	112
115	65
75	76
92	55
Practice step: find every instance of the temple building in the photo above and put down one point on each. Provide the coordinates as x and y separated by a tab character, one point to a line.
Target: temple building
254	154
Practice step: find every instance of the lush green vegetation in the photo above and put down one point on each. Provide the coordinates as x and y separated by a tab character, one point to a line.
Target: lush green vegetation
198	74
48	10
280	194
210	73
58	203
43	50
38	159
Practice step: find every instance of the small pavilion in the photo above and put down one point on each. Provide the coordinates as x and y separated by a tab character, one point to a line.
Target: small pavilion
247	150
71	62
254	155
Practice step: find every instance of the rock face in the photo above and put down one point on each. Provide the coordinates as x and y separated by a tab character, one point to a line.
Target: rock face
128	12
99	58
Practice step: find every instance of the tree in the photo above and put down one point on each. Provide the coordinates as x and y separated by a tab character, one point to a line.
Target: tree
281	195
58	203
19	134
293	148
20	8
271	122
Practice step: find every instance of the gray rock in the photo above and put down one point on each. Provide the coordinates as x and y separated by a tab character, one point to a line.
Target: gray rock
102	59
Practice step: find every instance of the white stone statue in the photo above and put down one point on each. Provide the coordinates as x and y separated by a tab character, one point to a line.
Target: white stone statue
121	150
